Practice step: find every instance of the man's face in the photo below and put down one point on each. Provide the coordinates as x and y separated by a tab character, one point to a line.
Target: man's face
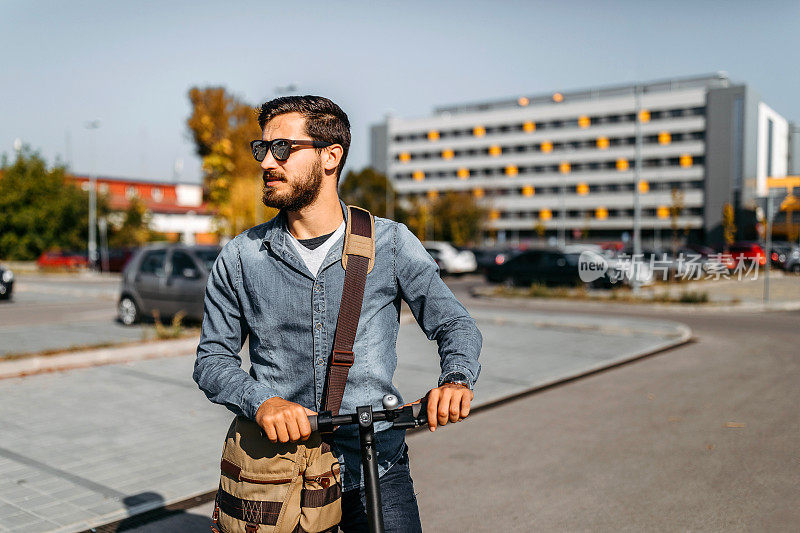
295	183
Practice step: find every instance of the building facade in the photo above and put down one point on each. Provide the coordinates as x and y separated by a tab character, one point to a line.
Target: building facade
564	163
176	209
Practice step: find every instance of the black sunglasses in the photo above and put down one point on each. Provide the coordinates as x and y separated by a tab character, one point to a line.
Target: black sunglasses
281	148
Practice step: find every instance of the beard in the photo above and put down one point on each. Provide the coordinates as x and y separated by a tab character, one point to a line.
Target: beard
301	193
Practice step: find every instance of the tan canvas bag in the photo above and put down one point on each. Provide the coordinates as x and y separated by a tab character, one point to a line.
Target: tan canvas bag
296	487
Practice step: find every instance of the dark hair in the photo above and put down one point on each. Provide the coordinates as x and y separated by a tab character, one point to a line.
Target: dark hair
325	121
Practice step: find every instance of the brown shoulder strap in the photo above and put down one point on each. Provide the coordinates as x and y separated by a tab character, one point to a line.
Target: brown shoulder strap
358	258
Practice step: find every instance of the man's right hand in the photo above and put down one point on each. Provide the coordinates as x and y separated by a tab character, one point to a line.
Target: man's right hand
284	421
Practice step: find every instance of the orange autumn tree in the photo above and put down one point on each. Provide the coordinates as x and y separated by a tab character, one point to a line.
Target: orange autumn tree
222	126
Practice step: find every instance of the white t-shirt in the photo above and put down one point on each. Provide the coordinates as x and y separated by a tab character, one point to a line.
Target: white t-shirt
314	258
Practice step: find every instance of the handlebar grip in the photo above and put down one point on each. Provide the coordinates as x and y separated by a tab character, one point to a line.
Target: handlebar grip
312	419
420	411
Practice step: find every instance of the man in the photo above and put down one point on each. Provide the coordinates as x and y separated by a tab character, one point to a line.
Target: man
280	284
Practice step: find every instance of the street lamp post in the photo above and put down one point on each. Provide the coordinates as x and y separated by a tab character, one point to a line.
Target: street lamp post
768	243
93	126
637	208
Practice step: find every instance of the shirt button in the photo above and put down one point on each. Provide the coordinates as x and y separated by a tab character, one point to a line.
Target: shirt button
319	325
320	361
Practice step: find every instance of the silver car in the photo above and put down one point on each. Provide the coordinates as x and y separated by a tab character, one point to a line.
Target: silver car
165	279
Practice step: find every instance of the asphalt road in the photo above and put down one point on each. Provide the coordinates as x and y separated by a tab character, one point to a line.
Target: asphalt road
703	437
57	312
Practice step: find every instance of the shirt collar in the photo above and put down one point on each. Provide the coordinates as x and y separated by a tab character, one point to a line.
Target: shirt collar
276	235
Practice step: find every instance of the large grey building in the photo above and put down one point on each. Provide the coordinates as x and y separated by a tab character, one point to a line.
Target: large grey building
564	163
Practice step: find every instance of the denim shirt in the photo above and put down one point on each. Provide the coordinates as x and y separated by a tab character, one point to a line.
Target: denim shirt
260	288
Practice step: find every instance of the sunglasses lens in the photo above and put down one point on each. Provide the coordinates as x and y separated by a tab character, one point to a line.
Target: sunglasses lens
259	150
281	149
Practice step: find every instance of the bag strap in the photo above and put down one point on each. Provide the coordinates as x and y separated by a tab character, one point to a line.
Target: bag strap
358	258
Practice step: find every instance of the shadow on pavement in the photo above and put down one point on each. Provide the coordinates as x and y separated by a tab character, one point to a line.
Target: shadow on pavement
160	518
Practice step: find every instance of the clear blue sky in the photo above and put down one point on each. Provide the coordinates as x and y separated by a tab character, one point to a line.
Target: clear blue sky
131	64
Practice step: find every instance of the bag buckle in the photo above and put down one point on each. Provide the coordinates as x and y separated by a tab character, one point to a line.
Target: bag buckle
343	358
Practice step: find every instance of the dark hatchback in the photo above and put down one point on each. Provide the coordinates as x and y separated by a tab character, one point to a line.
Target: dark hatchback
6	282
549	267
165	279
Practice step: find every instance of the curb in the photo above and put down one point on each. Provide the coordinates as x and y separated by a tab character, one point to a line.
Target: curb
104	356
69	360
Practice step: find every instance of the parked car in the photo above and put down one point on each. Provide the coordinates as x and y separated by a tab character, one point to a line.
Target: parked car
487	257
792	262
61	259
621	266
117	259
167	279
449	259
6	282
746	251
779	254
552	266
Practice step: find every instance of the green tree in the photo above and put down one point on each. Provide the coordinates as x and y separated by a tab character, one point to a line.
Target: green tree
222	126
39	208
728	224
135	227
454	216
366	188
675	211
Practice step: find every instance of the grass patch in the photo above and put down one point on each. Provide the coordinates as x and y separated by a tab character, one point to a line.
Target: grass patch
173	331
619	294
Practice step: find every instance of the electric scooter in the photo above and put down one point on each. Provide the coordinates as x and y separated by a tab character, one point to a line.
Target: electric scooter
405	417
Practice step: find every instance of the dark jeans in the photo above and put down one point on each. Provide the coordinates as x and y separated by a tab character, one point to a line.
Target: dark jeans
400	511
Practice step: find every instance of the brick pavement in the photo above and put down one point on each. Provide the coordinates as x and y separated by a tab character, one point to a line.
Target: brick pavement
89	446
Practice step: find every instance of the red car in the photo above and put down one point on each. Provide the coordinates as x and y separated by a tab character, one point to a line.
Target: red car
62	260
746	251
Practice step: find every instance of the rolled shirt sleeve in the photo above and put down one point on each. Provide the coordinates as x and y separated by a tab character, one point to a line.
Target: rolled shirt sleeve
217	369
438	312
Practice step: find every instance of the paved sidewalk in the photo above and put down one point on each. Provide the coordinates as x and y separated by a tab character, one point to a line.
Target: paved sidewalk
89	446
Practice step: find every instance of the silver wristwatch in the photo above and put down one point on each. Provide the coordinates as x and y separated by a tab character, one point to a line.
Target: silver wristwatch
457	378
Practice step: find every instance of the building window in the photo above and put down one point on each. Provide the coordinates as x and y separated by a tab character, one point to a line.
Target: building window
130	192
157	194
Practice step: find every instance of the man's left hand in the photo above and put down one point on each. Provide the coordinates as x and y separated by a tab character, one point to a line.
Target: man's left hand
448	403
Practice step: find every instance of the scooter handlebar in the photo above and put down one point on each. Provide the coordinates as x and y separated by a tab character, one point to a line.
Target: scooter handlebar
419	414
